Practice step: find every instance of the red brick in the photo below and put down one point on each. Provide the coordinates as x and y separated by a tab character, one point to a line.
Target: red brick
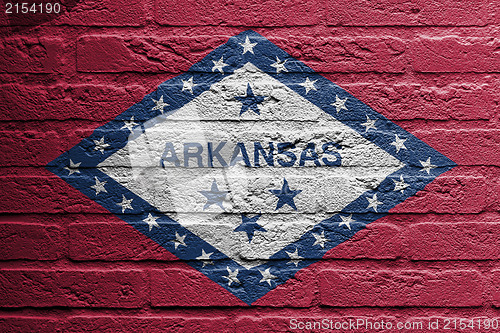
495	282
347	55
496	187
406	13
28	148
408	101
142	54
88	288
69	133
96	102
465	147
32	55
126	324
112	241
404	221
453	241
299	291
496	10
238	12
451	193
266	324
455	54
42	194
187	287
31	241
401	288
4	18
104	13
99	323
376	241
188	325
30	324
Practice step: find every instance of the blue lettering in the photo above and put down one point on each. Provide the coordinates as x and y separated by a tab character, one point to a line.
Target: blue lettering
268	157
311	149
330	148
284	155
169	148
196	154
282	150
216	153
240	148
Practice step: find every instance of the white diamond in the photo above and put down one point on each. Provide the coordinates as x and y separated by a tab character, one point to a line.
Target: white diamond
205	119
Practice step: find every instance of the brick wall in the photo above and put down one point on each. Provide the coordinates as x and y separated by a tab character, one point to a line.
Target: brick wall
432	67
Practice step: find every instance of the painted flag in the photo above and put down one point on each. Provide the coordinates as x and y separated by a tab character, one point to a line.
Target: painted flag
249	166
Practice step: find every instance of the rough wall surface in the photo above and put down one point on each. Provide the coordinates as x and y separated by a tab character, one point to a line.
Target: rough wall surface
68	265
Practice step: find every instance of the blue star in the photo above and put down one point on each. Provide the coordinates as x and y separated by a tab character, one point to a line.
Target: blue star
285	195
250	101
250	225
214	196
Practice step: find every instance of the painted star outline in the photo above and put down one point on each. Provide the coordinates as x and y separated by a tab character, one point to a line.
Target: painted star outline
250	101
214	196
250	226
285	195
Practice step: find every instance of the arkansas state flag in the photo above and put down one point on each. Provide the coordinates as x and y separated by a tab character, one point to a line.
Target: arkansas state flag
172	173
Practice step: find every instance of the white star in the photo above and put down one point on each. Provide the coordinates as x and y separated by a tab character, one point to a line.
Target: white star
247	46
427	166
179	240
73	167
373	202
399	143
205	258
232	277
100	145
125	204
129	124
370	123
400	185
151	221
99	186
267	276
280	65
320	239
346	220
339	103
218	65
188	85
159	104
309	85
294	256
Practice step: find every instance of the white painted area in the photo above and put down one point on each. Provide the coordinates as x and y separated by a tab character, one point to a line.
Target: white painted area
214	116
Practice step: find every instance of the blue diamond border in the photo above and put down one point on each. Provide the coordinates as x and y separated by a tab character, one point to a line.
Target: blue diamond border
264	54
